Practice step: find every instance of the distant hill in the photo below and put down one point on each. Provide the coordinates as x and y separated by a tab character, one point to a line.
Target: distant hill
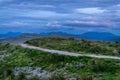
28	36
102	36
10	34
61	35
117	39
20	39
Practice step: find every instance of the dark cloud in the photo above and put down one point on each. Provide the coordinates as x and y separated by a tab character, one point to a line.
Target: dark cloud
87	24
65	14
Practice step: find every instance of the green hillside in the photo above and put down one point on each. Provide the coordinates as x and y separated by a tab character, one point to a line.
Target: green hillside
79	46
14	59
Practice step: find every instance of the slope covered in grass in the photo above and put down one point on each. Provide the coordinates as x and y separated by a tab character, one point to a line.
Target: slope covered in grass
80	46
58	67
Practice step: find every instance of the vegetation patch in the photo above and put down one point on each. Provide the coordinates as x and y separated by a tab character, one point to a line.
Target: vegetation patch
62	67
79	46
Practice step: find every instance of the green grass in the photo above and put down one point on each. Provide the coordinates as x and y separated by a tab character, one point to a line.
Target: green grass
82	68
80	46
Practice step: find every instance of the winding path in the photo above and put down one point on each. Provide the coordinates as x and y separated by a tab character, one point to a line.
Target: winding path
68	53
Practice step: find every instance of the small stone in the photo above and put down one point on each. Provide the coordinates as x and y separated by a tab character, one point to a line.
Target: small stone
72	79
65	73
115	51
80	66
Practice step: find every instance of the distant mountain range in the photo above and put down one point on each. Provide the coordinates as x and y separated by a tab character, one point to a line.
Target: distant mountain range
17	37
10	34
100	36
96	36
21	38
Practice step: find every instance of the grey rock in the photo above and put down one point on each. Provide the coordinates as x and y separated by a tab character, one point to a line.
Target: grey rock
80	66
72	79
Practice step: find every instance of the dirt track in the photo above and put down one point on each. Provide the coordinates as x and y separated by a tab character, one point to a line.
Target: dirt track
68	53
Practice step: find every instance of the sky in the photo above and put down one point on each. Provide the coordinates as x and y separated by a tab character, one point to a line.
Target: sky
70	16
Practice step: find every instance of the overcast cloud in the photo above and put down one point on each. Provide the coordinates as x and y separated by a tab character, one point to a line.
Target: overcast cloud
72	16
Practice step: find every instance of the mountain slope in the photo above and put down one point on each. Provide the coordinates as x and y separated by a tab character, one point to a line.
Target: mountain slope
61	35
102	36
10	34
20	39
12	37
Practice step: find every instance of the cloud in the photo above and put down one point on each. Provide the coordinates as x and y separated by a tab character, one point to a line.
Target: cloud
30	13
56	14
14	24
89	18
2	1
53	24
93	10
42	14
118	5
87	24
31	5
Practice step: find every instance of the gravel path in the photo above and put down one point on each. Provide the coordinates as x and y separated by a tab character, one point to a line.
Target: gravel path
68	53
